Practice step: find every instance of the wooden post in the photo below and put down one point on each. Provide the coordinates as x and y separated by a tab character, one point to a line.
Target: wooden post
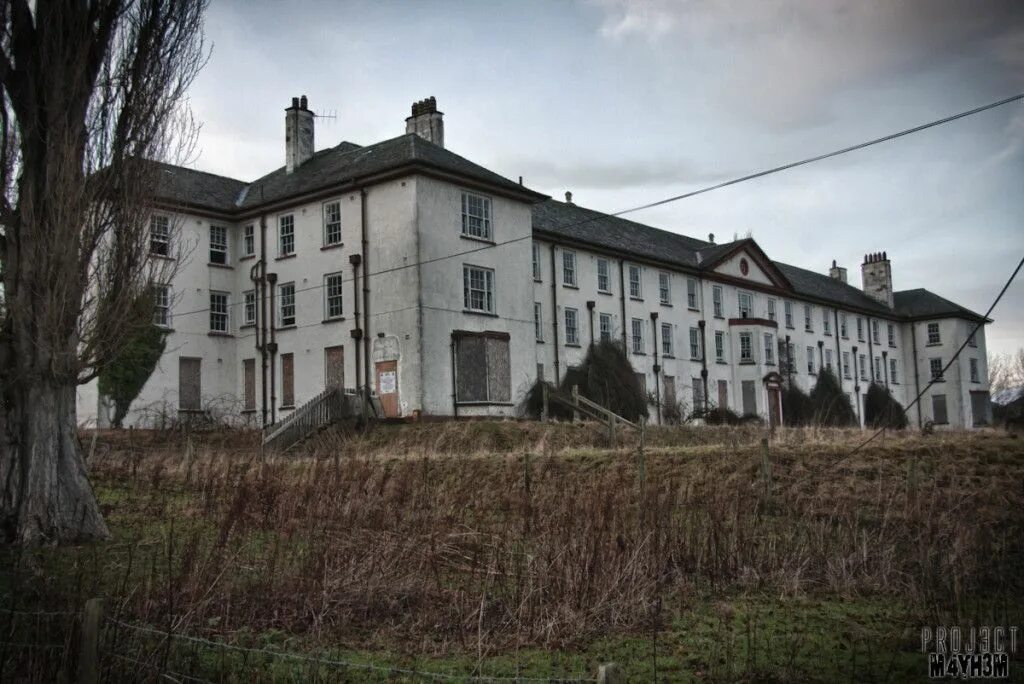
610	673
92	444
766	467
189	449
576	403
89	648
641	466
544	406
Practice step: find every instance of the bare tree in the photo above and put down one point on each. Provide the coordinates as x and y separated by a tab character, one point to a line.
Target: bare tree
1005	371
91	90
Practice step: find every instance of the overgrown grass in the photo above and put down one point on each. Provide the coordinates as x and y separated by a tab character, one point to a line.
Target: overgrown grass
521	549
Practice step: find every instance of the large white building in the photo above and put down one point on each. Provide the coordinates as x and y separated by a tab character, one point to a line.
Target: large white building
449	289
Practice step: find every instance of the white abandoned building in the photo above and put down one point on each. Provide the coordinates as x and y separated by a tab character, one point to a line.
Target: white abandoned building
448	290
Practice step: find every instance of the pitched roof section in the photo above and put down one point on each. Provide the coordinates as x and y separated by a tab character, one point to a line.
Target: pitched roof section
350	161
188	187
822	286
573	222
921	303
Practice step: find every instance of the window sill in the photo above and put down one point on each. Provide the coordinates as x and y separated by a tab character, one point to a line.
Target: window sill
474	238
693	308
843	337
335	319
570	287
930	344
290	326
696	359
607	293
165	258
285	256
892	346
247	257
215	333
245	326
484	403
936	380
213	265
573	344
668	304
471	312
635	299
636	353
720	362
749	362
327	248
286	407
769	363
538	280
248	411
668	356
539	341
719	317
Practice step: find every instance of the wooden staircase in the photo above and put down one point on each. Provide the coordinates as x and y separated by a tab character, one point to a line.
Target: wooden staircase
330	406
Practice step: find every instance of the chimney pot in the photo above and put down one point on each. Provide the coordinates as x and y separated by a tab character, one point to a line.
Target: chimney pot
295	103
426	121
711	238
303	102
568	197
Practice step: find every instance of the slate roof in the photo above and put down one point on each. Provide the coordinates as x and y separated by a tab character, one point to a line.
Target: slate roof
920	303
823	286
181	185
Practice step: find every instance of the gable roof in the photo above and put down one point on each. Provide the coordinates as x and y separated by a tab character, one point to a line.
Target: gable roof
822	286
188	187
920	303
712	257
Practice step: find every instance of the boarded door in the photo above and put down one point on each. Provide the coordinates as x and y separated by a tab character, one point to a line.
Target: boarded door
939	416
670	390
387	387
334	367
774	407
723	393
287	380
749	398
981	408
189	384
249	383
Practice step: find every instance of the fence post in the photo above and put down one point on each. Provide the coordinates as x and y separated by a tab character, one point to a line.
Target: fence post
610	673
89	647
576	403
544	406
188	459
766	467
641	466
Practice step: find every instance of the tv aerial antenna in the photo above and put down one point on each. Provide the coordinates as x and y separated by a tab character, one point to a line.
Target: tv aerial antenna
329	114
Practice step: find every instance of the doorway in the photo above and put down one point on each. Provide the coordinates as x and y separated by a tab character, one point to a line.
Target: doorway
387	387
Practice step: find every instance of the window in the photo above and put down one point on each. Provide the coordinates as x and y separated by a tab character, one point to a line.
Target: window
538	322
285	235
893	377
972	341
860	328
665	288
286	295
536	262
605	326
933	334
160	235
695	350
939	415
746	348
572	329
975	377
603	280
666	340
218	245
892	335
569	268
935	366
691	294
716	300
808	325
249	311
846	365
476	216
332	223
826	322
771	309
878	369
786	357
719	346
810	360
828	359
874	332
333	304
249	240
788	307
863	366
635	291
162	306
769	349
746	304
641	379
483	372
190	379
478	289
219	312
844	330
637	328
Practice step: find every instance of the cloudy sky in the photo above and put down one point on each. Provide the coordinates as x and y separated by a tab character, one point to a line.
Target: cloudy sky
629	101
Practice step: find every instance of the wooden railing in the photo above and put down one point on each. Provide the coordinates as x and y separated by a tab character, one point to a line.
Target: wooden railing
326	408
580	404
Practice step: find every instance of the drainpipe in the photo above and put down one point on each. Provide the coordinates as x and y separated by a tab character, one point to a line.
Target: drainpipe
590	308
702	324
657	368
821	356
856	386
871	352
839	353
261	311
355	260
885	368
272	348
554	310
455	392
917	379
622	299
419	314
366	292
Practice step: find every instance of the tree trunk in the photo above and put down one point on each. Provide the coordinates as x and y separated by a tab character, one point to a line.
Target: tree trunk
47	496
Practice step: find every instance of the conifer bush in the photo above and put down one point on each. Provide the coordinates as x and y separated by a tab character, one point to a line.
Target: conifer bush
829	403
882	410
796	407
125	376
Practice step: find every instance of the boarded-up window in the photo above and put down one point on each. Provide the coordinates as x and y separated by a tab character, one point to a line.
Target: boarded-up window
189	384
483	372
939	415
334	366
981	408
287	380
749	398
641	379
698	394
249	382
723	393
670	390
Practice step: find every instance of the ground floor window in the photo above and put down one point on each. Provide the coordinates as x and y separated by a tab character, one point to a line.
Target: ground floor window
939	415
189	384
483	372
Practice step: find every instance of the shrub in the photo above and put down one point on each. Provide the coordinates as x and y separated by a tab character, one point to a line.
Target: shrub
882	410
796	407
721	416
829	403
124	377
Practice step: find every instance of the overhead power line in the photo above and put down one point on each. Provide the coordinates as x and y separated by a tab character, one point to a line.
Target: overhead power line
675	198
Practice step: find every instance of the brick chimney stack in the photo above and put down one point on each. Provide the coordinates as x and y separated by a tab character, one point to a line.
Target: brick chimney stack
837	272
426	121
298	133
876	272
